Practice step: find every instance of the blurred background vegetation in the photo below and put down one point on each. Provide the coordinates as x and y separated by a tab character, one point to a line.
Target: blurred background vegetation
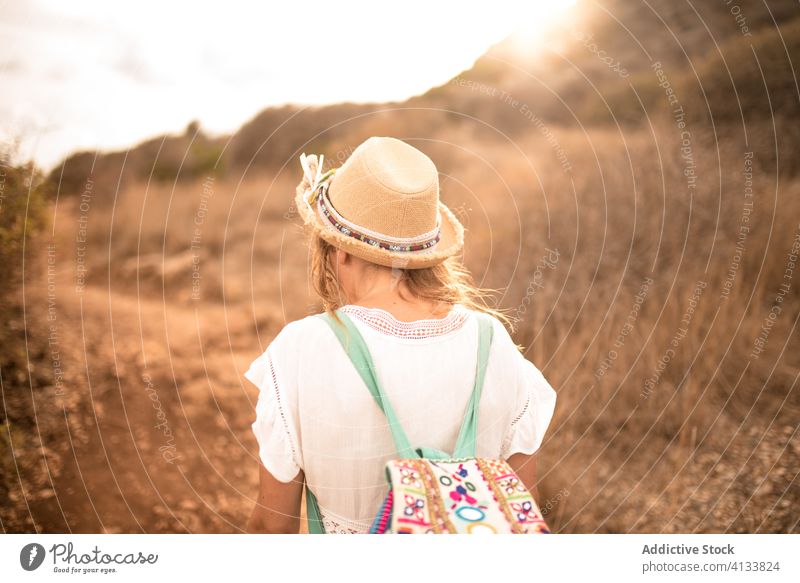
573	148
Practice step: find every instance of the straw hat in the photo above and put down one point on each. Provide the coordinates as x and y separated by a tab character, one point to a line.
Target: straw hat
381	205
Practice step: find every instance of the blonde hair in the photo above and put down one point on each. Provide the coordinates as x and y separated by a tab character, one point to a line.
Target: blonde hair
448	282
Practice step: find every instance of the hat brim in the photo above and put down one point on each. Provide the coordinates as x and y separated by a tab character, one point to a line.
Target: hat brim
451	240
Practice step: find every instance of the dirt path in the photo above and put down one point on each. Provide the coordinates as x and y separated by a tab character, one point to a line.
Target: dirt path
151	430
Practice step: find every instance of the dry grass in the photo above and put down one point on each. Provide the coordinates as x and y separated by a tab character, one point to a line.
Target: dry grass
712	446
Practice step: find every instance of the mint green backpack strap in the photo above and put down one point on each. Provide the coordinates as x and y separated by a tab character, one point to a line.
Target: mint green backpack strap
355	347
466	442
313	514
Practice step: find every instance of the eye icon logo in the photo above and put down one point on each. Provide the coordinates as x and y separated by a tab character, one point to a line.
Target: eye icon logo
31	556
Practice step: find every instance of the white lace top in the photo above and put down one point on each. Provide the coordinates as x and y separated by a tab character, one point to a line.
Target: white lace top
314	412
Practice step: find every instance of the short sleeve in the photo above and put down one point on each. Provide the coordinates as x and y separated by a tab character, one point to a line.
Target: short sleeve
535	406
275	426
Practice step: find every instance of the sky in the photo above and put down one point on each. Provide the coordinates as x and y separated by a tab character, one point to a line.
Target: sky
107	74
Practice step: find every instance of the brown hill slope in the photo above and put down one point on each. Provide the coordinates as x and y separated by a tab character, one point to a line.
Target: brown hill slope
596	69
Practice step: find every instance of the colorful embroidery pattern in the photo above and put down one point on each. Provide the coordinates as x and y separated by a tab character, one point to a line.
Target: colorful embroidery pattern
457	496
513	497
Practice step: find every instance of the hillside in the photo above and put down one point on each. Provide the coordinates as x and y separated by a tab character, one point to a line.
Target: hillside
594	70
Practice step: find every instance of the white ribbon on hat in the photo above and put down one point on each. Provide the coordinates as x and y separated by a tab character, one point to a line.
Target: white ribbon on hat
313	175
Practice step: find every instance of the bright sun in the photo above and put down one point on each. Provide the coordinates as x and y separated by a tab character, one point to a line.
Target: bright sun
223	64
536	20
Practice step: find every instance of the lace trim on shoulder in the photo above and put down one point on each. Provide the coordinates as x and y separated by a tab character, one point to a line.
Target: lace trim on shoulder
381	320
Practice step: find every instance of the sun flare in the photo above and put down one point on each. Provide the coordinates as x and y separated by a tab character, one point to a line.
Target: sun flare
86	76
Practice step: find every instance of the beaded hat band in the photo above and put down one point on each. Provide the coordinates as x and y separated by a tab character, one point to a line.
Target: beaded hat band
381	205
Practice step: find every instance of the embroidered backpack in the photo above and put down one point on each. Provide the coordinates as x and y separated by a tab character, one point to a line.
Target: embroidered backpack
431	491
